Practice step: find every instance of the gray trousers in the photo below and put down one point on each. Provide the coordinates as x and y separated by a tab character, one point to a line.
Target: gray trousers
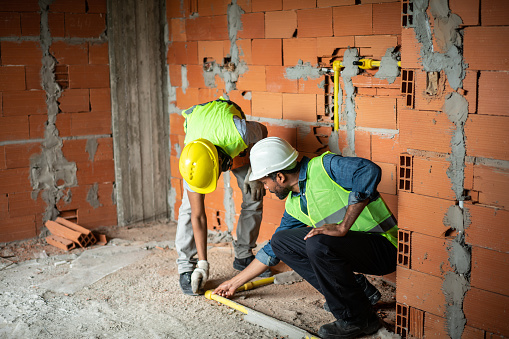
248	227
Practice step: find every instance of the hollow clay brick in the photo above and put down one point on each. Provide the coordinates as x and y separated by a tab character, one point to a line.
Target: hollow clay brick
100	216
267	105
387	18
178	29
98	54
492	184
70	54
10	24
316	22
24	103
18	228
30	24
266	5
267	52
494	13
298	4
253	26
281	24
26	53
187	99
18	155
353	20
89	76
195	76
210	94
88	25
487	310
436	327
37	125
311	86
33	77
484	222
245	51
391	200
430	178
376	112
14	128
423	130
207	28
430	255
299	49
98	171
239	97
422	214
389	178
60	242
56	23
64	232
253	80
277	82
210	49
363	144
12	78
299	107
327	45
482	132
287	133
492	89
484	263
410	54
484	44
74	100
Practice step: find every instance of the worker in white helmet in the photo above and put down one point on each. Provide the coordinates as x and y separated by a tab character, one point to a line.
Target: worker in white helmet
335	223
217	134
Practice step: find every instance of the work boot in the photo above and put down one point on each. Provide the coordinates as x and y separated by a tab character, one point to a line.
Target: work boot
185	283
370	291
240	264
350	328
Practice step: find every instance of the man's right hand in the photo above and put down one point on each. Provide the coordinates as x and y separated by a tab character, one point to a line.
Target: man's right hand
226	289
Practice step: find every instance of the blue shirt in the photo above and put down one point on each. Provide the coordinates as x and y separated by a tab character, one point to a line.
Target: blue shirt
358	175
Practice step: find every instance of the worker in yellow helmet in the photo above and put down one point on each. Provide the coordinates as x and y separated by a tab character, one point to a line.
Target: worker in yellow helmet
217	133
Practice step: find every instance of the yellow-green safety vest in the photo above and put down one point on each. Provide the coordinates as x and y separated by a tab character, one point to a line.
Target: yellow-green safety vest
327	203
214	121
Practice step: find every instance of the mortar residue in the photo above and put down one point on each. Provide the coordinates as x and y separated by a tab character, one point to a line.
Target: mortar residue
350	70
389	68
50	172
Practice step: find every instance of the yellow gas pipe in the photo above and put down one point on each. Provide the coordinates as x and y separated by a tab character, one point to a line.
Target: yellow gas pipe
256	283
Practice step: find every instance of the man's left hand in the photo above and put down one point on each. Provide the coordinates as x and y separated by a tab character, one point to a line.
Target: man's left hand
335	230
255	187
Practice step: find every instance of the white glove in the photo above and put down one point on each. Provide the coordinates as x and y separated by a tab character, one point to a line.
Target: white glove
200	276
254	187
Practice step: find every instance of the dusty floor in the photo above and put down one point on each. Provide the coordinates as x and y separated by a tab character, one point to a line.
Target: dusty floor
129	289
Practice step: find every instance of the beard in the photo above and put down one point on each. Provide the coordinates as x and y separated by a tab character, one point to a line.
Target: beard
281	192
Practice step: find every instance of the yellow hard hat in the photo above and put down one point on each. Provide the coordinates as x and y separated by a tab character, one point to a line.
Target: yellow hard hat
199	165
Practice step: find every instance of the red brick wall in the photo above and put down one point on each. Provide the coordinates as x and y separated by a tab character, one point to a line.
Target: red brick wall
277	34
84	111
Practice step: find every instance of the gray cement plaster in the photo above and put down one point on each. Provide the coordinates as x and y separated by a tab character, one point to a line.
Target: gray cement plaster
349	113
50	172
389	69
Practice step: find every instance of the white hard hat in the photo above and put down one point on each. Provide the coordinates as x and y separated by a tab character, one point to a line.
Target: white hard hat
270	155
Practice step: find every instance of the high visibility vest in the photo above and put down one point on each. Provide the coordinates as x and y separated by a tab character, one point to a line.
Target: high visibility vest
327	203
214	121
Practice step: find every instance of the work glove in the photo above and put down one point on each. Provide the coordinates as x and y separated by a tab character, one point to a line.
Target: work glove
254	187
199	276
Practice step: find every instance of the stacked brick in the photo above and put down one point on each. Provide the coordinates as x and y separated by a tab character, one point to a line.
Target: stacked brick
66	234
82	71
275	35
425	188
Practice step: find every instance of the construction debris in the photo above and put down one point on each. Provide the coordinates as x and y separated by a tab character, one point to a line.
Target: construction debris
66	235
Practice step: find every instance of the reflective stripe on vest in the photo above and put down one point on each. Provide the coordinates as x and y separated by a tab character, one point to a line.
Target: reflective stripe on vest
328	203
214	121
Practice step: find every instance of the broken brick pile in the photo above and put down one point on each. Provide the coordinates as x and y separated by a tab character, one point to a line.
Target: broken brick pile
66	235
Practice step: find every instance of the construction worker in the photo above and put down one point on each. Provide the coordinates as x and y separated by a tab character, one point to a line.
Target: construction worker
216	133
335	223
